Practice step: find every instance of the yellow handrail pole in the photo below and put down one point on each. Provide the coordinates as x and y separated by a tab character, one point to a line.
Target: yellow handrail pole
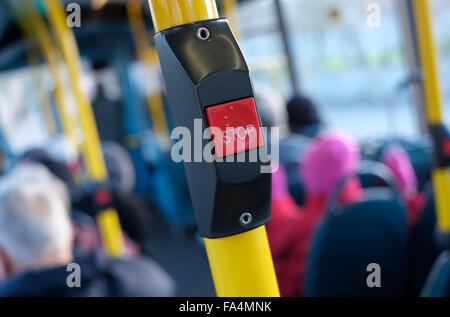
242	264
33	60
39	27
148	56
108	220
50	53
167	14
433	102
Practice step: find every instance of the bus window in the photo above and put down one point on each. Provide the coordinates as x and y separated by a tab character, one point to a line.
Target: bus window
348	62
266	62
20	114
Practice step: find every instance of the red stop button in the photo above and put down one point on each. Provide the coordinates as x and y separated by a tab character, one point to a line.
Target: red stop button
235	127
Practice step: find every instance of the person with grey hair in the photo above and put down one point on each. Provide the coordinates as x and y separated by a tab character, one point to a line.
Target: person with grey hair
36	246
35	230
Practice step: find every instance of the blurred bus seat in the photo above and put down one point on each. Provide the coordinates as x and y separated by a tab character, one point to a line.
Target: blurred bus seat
424	250
352	237
372	174
419	151
375	174
438	284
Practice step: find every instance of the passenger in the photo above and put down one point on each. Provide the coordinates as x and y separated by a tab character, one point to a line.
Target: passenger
398	161
328	160
36	246
304	124
304	117
122	174
133	212
60	169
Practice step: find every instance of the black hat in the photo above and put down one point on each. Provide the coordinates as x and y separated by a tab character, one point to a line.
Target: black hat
302	112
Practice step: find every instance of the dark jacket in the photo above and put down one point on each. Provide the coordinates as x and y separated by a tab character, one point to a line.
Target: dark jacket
100	277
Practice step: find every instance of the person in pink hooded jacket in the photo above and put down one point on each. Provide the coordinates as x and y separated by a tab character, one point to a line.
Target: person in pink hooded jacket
329	158
399	163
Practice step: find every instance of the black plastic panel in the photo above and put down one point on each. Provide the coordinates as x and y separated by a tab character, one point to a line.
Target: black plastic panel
199	74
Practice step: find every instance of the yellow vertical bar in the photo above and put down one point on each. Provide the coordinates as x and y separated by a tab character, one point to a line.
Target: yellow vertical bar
69	49
109	224
429	60
441	182
170	13
242	264
433	102
39	27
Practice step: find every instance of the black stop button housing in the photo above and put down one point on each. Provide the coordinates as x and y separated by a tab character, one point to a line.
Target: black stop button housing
200	73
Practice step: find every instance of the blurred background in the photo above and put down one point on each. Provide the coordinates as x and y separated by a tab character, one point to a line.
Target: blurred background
330	42
361	78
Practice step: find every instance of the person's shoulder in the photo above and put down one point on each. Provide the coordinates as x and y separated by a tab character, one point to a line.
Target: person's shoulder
140	277
42	283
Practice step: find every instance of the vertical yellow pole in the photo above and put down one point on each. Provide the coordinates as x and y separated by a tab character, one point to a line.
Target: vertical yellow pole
241	265
33	60
93	155
38	26
148	56
69	49
433	102
170	13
